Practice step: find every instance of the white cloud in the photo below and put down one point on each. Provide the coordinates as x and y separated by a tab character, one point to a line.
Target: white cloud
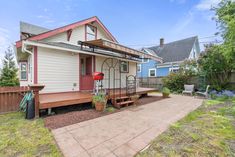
207	4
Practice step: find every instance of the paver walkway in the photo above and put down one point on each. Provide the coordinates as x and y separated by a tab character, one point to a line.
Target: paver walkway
125	133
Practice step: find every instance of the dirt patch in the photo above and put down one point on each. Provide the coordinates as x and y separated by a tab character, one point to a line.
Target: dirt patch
65	117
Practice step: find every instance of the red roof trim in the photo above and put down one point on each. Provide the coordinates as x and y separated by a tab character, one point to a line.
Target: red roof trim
66	28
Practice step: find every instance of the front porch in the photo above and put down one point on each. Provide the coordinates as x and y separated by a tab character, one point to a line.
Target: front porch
52	100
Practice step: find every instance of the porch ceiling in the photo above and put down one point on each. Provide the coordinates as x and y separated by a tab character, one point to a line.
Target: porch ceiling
109	45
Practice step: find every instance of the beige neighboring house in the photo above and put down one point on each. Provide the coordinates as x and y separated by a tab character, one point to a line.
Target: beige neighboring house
63	59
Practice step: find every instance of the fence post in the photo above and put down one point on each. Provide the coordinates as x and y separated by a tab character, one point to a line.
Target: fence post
36	88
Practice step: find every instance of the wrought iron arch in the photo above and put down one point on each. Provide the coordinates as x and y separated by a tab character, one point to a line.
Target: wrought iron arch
112	76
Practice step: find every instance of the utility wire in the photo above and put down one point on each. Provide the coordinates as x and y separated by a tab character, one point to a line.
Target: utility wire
144	45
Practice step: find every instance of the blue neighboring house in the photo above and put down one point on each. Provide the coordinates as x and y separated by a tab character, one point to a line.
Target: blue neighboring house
172	54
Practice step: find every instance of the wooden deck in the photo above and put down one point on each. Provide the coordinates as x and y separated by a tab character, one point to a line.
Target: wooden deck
51	100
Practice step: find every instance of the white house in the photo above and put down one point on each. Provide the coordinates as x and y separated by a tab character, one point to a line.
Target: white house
63	59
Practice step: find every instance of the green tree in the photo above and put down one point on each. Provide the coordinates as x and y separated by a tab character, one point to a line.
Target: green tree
225	18
214	65
218	61
9	71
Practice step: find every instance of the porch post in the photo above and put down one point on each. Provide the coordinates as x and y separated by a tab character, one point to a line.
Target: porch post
36	88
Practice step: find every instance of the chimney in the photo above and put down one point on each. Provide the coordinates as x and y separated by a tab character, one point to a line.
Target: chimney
161	42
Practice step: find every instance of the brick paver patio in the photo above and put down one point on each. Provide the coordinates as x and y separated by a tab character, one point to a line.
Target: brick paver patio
125	133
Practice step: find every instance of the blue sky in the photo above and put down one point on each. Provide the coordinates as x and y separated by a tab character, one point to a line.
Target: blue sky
134	23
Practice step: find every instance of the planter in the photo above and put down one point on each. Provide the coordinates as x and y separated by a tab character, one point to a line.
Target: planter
165	95
99	106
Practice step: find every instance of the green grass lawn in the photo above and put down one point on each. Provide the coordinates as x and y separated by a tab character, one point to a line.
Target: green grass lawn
25	138
207	131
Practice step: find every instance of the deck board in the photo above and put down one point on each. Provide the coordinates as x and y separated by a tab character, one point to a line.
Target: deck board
51	100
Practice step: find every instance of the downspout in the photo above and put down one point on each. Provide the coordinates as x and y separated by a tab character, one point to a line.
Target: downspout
24	48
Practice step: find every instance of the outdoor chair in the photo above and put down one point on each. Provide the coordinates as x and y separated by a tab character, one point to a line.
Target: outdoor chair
205	94
188	89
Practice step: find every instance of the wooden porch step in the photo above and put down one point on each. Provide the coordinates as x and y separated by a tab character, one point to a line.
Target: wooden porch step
125	103
122	97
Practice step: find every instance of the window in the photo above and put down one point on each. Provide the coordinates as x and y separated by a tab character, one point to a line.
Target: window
174	69
152	72
139	68
90	32
124	67
23	71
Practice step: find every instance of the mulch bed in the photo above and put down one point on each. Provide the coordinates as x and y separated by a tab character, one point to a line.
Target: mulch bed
80	113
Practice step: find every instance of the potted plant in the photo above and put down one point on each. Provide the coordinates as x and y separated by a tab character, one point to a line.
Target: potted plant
165	92
99	101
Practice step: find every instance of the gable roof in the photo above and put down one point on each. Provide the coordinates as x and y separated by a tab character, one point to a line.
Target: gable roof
150	51
66	28
31	29
175	51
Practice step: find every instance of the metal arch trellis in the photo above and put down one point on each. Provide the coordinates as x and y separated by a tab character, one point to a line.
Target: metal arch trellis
112	74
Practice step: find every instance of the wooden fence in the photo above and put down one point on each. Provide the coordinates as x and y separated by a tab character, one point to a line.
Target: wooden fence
150	82
10	98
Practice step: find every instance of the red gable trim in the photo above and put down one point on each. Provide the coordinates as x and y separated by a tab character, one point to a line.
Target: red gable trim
66	28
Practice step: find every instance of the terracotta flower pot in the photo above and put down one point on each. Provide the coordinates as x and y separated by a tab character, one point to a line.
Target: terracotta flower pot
99	106
165	95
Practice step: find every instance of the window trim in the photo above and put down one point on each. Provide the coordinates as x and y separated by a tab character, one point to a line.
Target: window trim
140	68
155	72
20	63
127	67
89	33
173	68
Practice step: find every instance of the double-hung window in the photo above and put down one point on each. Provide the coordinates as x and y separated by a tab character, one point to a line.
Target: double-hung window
152	72
91	32
23	71
124	67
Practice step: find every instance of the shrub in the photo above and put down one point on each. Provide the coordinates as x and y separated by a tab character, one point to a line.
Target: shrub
175	81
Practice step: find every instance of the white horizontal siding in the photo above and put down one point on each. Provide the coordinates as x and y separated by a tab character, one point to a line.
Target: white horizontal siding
132	71
57	70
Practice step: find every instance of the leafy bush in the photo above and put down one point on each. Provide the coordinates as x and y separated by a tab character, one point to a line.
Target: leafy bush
216	68
175	81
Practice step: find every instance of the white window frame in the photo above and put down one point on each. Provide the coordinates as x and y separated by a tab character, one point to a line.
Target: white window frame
155	72
91	34
127	64
173	68
26	71
139	66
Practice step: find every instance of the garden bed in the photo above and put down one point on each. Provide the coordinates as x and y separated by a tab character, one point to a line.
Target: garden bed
65	117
